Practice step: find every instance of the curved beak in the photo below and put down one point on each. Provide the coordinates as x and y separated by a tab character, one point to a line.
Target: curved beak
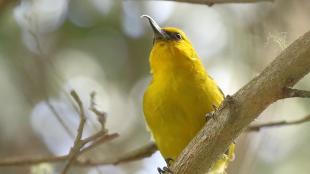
158	32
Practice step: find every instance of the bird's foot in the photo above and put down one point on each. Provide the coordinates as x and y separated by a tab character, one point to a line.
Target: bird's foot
165	170
210	115
169	161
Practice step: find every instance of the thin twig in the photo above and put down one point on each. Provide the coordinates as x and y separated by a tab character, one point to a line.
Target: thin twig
291	92
134	155
18	161
96	139
50	159
138	154
42	66
78	144
278	124
59	118
99	141
101	116
212	2
145	151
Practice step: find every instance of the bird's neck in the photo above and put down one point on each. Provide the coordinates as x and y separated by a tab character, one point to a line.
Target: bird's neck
185	71
169	61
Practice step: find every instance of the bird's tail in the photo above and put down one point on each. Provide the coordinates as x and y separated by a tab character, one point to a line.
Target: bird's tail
219	167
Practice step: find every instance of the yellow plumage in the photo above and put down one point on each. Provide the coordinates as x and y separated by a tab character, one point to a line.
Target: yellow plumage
180	95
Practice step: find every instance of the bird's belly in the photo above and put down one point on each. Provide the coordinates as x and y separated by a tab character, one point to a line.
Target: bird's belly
172	139
174	123
175	111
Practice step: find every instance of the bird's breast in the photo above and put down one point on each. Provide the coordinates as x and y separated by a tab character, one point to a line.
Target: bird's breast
174	110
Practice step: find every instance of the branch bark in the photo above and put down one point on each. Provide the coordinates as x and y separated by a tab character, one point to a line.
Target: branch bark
212	2
239	110
290	93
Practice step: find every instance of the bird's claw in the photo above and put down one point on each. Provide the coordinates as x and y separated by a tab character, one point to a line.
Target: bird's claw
165	170
169	161
210	115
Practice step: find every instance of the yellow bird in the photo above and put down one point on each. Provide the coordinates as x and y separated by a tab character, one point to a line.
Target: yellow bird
180	95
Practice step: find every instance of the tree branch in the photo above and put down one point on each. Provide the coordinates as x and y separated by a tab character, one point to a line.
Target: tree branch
78	143
137	154
140	153
234	115
278	124
18	161
239	110
212	2
290	93
96	139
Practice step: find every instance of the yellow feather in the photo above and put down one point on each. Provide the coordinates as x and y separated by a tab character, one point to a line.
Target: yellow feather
179	96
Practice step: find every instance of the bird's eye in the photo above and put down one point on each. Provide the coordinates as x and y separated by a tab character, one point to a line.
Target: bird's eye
178	36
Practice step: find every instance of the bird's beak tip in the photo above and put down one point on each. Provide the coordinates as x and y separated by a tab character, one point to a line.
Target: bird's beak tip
158	32
144	16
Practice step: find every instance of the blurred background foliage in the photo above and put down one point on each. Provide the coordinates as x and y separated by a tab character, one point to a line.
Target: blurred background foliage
49	47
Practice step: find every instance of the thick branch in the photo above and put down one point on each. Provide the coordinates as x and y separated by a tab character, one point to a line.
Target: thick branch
279	124
238	111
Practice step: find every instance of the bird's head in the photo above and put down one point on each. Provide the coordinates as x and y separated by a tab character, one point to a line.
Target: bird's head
171	48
